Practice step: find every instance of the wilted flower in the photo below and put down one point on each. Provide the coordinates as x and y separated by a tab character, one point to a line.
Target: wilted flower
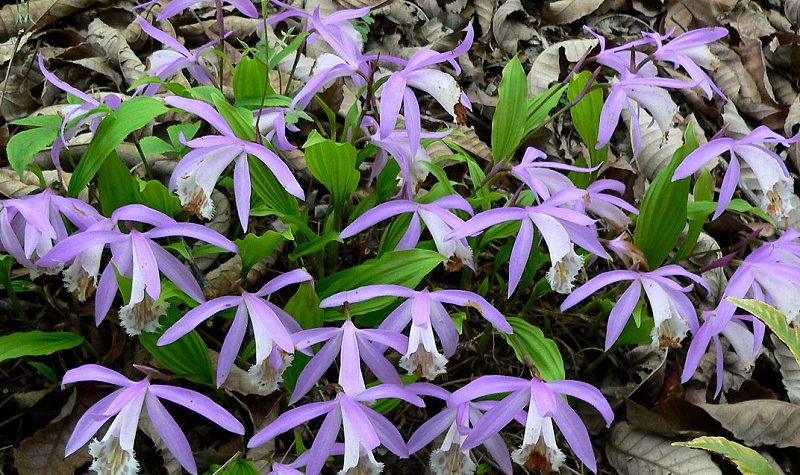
672	310
436	216
136	256
425	312
559	227
769	169
197	173
272	328
31	225
364	428
545	406
113	455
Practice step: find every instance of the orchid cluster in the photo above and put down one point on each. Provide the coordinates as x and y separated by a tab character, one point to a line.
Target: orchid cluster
381	331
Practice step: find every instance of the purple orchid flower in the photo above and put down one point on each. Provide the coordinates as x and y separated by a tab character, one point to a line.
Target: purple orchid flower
31	225
672	310
166	63
338	21
272	124
136	256
397	144
352	345
544	180
690	51
293	468
364	428
559	227
196	174
425	312
114	453
397	92
545	406
635	90
746	343
768	167
456	422
347	62
437	218
272	328
75	116
245	7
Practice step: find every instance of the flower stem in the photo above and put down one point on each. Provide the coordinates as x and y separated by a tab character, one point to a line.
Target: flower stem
221	44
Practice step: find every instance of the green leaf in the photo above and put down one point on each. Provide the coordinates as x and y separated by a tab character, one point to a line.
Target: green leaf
186	357
703	191
36	343
154	146
237	466
662	215
153	194
131	115
511	111
775	320
249	80
334	165
304	307
701	209
46	121
254	248
270	190
188	130
747	460
539	106
406	268
238	118
528	340
115	185
24	145
586	117
314	245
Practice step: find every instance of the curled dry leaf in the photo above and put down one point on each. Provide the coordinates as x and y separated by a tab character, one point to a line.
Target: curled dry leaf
566	11
43	452
657	148
42	12
485	10
790	370
240	27
546	67
759	421
507	27
631	451
792	10
112	42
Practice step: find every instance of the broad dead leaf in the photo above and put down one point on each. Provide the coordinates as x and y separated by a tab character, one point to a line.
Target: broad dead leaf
759	422
546	67
42	12
790	370
792	11
485	11
567	11
634	452
43	452
657	148
508	26
112	42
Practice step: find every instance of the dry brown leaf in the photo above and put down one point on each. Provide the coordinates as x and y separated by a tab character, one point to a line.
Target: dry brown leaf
112	42
546	67
485	11
759	421
508	26
561	12
43	452
752	22
240	27
634	452
792	10
790	370
12	187
657	148
42	12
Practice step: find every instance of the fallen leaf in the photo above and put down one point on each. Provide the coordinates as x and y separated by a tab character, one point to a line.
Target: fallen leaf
112	42
508	26
567	11
790	369
759	422
546	68
634	452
